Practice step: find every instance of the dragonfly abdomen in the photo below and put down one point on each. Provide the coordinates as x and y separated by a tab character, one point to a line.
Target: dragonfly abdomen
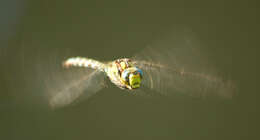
84	62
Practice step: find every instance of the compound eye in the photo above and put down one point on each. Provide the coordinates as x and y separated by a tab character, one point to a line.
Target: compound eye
140	72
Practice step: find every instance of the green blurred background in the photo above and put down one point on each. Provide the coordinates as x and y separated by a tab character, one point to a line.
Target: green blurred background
32	30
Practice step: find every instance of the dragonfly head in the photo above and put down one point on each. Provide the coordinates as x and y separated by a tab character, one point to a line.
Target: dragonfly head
132	77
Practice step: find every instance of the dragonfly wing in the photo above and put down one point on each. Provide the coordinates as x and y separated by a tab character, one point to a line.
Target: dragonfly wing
66	86
174	71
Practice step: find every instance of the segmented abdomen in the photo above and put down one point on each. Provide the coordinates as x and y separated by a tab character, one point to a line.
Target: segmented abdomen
84	62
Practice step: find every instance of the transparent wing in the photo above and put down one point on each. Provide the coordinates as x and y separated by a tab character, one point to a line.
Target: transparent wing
64	86
72	86
180	70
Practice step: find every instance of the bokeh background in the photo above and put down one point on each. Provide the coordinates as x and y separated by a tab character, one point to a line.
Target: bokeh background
32	31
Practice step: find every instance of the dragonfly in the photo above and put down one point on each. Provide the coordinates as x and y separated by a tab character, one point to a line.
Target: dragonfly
179	67
162	72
